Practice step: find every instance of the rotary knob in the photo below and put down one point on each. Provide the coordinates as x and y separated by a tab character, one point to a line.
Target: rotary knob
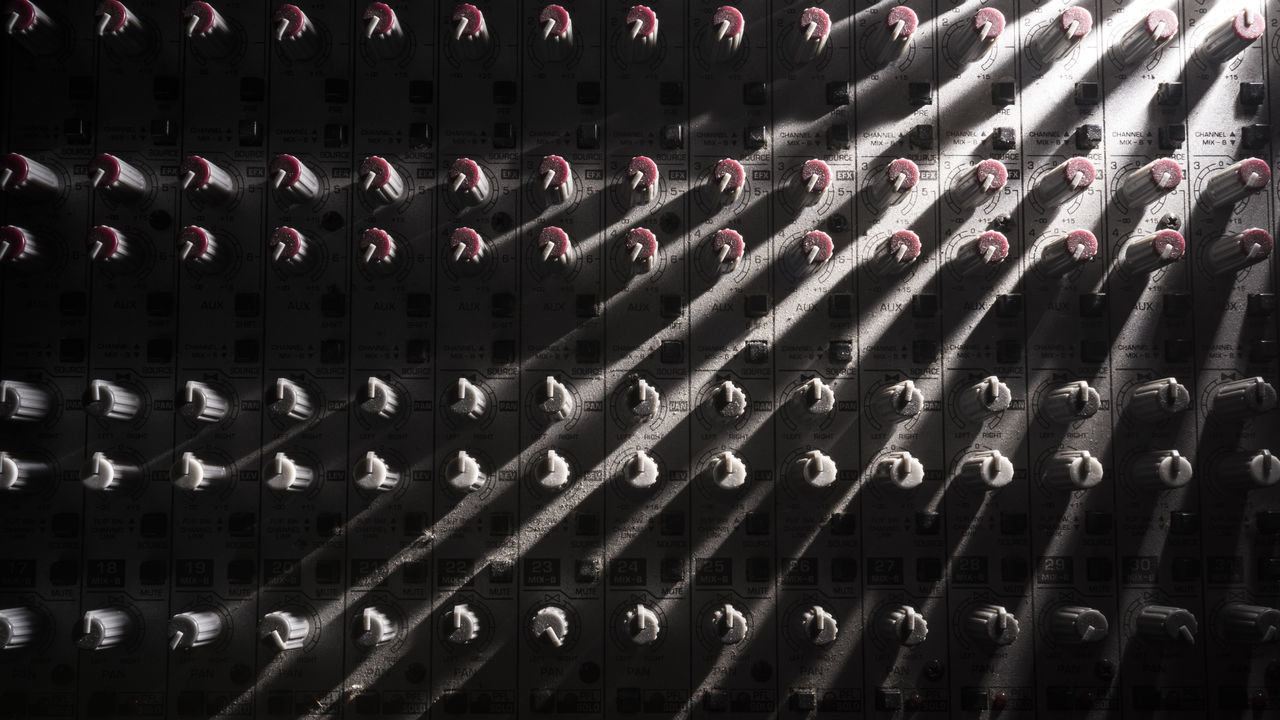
378	399
374	627
1161	470
121	29
979	183
982	253
196	475
1243	398
553	472
469	27
643	400
557	178
905	625
285	630
1068	253
976	38
642	26
985	470
284	474
1151	34
1066	181
24	402
642	248
815	30
1151	182
17	473
199	248
1232	36
374	474
817	248
117	179
817	396
463	473
900	177
108	245
110	401
897	403
1249	469
554	246
1061	36
817	469
819	626
729	247
102	474
898	253
19	627
641	471
986	397
380	181
462	625
290	248
642	174
23	177
32	28
383	32
815	181
730	624
642	624
466	246
290	401
208	30
193	629
1232	253
377	247
728	471
1150	253
467	400
1163	622
899	468
18	245
1070	470
555	399
202	403
1071	402
730	27
550	625
293	181
468	180
557	26
1157	400
1075	625
729	400
1249	624
889	40
203	180
993	624
730	179
296	36
1236	182
105	628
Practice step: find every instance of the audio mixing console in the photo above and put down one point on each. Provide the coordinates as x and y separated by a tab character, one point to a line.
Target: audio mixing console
776	359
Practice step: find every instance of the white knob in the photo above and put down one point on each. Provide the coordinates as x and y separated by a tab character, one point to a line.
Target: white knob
1237	182
202	403
643	624
110	401
463	625
1161	470
550	625
1249	624
18	627
553	471
19	245
1152	33
1151	182
817	469
730	624
23	177
115	178
103	474
377	247
118	26
818	397
375	628
728	471
977	36
643	400
987	397
468	179
898	403
295	34
557	178
464	473
197	247
729	28
820	626
193	474
1066	181
25	402
554	246
17	473
1072	470
1071	402
893	186
32	28
993	624
290	400
1239	399
1228	254
373	474
202	179
104	628
1074	625
209	30
192	629
378	398
293	181
642	174
466	246
891	38
816	247
285	475
1060	37
556	400
815	29
1249	469
289	248
381	181
468	400
1158	400
979	183
985	470
730	179
642	26
641	471
469	25
905	625
730	400
1067	253
815	180
285	630
901	469
1168	623
1149	253
642	248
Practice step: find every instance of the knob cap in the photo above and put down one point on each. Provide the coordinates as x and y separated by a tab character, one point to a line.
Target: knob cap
642	25
730	624
815	181
105	628
193	629
900	177
905	625
31	28
1249	624
891	38
463	473
730	27
19	627
1062	36
550	625
1151	182
557	178
729	247
374	628
467	400
380	181
1071	402
208	30
121	29
296	35
985	470
378	399
202	403
557	25
986	397
643	624
466	246
553	472
1249	469
820	626
17	473
979	183
290	248
1161	470
555	399
897	403
18	245
818	397
1150	253
24	402
730	177
193	474
642	173
285	630
817	469
643	400
290	401
1066	181
197	247
817	247
554	246
117	179
286	475
462	625
815	29
641	471
103	474
203	180
1152	33
1232	36
112	248
1158	400
1070	470
1074	625
1235	183
23	177
469	26
383	32
642	248
1243	398
293	181
728	471
1163	622
111	401
993	624
977	37
730	400
375	475
468	179
1233	253
901	469
1068	253
982	253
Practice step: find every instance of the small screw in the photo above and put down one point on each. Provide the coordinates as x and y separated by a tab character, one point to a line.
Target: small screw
1104	669
837	223
669	222
934	670
1169	222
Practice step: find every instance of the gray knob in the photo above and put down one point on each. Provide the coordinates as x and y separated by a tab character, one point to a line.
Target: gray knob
468	400
192	629
462	625
819	398
104	628
1249	624
374	628
901	469
1161	470
381	182
1074	625
985	470
1146	254
643	400
1243	398
1232	253
1072	470
1249	469
553	472
1071	402
730	624
192	473
285	630
1152	33
24	402
18	627
555	399
202	403
986	397
103	474
820	626
286	475
374	474
730	400
378	398
550	625
291	401
17	473
817	469
464	473
1236	182
643	624
1233	35
729	471
110	401
898	403
1168	623
641	471
1158	400
905	625
993	624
